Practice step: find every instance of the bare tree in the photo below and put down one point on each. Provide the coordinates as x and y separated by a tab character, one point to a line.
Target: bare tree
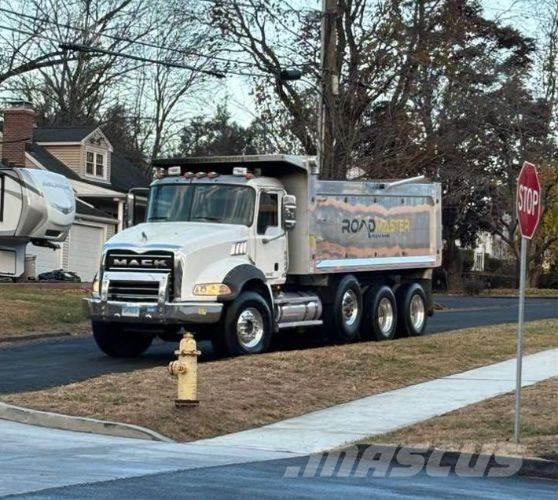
75	90
20	42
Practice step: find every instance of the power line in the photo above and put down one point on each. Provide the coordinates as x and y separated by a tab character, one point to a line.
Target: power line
126	39
87	49
14	141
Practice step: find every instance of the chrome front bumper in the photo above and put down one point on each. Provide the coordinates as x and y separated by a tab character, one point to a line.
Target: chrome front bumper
168	313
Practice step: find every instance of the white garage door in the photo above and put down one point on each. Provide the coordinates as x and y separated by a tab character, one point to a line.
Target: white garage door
47	259
85	246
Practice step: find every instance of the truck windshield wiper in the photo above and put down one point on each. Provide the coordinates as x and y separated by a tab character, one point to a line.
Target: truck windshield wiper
157	218
210	219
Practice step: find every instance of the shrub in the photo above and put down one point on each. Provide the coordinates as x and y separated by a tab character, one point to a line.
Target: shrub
473	286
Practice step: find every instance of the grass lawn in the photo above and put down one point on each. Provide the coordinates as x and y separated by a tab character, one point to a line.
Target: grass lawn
250	391
40	309
490	424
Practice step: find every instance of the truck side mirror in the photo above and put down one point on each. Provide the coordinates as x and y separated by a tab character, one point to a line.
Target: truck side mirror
136	206
289	212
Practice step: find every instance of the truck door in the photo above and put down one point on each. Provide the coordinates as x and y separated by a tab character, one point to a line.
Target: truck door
271	240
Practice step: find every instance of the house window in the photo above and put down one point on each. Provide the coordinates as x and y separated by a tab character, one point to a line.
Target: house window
89	166
95	164
100	165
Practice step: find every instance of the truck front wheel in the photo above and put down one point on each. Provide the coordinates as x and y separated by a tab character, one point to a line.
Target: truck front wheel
116	342
247	325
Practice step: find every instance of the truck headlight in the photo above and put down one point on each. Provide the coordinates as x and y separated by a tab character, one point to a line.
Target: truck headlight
211	289
95	286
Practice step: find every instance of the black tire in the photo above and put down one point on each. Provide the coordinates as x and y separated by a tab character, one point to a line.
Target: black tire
380	317
405	297
337	325
116	342
258	315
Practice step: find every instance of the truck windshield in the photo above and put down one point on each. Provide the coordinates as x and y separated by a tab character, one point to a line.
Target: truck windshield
224	204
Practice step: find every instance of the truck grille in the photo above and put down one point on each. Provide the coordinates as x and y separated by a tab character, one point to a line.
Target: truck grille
147	262
133	291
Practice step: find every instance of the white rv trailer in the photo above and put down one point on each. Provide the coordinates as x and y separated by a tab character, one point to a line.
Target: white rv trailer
35	206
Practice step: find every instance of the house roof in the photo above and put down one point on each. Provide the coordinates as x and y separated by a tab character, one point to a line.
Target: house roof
62	134
87	210
124	174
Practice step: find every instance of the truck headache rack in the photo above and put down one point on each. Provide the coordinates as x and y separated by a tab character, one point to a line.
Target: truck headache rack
268	164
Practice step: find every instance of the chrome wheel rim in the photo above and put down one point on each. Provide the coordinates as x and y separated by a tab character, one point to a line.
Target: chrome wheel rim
349	307
417	312
250	328
385	316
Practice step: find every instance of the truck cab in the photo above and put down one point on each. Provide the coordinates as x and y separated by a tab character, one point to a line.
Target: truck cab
226	251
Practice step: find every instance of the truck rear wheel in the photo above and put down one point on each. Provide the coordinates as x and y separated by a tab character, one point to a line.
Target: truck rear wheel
342	318
411	303
116	342
247	325
380	314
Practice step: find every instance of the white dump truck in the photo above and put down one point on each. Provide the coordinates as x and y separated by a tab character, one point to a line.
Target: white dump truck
238	248
35	206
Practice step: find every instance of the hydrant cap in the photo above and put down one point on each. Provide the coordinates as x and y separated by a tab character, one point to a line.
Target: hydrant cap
188	344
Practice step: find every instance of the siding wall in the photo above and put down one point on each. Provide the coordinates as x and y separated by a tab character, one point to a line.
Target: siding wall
71	156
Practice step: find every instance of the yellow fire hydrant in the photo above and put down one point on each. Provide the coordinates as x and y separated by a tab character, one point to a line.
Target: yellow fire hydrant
186	371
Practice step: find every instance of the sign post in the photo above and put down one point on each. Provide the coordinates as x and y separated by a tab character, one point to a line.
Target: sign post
528	205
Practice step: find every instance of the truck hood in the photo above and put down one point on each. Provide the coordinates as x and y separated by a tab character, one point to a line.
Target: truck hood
178	235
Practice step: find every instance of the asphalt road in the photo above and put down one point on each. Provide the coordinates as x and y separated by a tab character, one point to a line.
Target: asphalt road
48	363
266	480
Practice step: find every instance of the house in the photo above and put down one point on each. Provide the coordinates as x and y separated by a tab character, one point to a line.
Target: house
100	175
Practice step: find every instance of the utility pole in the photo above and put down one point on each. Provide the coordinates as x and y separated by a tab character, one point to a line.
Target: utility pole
329	89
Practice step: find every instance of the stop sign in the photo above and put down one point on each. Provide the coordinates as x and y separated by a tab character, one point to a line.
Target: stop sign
528	200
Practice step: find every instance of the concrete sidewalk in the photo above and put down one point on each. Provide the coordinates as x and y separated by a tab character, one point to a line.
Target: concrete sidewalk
34	458
382	413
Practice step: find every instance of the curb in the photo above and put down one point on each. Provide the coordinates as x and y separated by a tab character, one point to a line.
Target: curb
528	467
34	336
77	424
515	297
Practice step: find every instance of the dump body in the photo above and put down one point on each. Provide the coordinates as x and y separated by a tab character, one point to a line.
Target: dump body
350	226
